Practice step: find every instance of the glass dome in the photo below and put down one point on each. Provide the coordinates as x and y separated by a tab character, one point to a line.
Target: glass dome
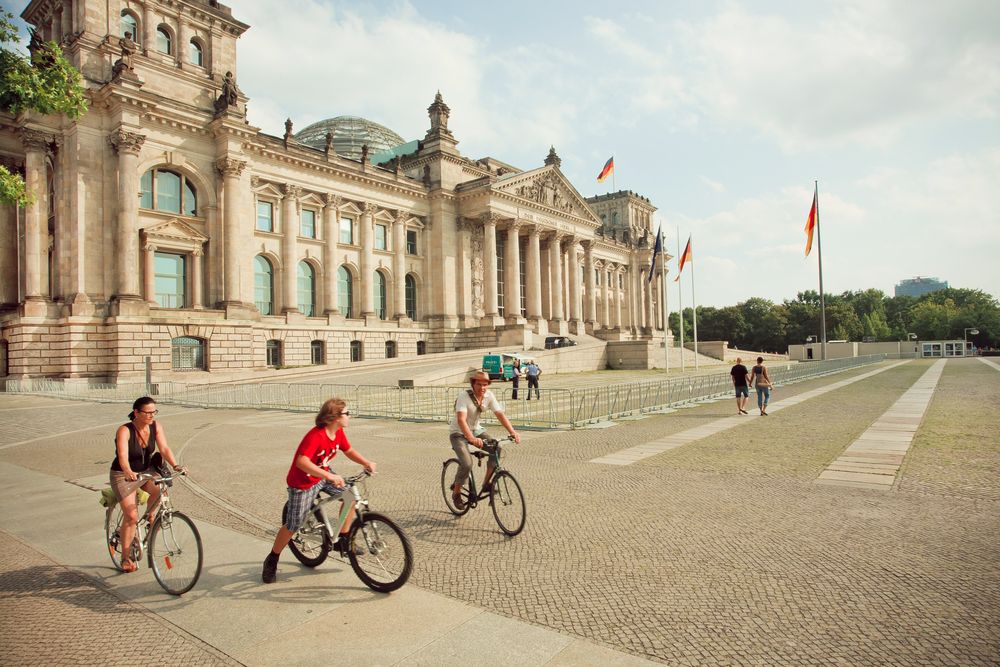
350	133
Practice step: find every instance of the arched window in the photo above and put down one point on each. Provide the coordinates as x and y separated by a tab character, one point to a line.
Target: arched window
196	54
307	289
164	42
263	285
165	190
411	297
130	25
273	353
317	352
421	347
357	351
378	287
345	292
390	349
187	354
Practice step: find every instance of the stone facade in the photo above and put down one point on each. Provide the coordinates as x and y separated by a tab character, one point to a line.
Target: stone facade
166	226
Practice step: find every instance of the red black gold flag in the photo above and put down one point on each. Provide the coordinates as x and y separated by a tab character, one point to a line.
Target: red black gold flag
685	257
609	167
811	222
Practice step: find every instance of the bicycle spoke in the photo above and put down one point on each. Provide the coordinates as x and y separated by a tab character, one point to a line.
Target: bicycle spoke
380	553
175	553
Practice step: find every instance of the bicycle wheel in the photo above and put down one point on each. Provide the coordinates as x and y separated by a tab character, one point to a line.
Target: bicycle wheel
507	502
448	473
380	553
175	553
112	531
311	544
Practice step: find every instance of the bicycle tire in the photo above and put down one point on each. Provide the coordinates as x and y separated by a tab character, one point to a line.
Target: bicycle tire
507	501
380	552
112	532
310	544
448	472
175	552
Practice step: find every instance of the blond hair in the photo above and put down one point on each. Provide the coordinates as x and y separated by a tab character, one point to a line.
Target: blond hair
330	411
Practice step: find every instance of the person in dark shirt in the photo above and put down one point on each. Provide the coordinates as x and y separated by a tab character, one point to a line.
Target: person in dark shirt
740	373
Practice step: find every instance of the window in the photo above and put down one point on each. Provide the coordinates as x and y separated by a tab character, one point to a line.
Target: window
187	354
597	277
273	353
347	231
380	242
263	285
411	242
168	271
195	54
130	26
164	43
614	217
357	351
345	292
390	349
265	216
307	289
621	281
421	347
168	191
411	297
317	352
307	224
378	288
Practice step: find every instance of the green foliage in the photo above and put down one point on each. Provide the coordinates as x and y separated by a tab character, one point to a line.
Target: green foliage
12	189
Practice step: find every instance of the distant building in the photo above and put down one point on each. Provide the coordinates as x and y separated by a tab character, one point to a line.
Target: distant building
919	286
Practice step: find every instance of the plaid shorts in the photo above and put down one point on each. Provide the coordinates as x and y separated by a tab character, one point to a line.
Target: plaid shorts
300	502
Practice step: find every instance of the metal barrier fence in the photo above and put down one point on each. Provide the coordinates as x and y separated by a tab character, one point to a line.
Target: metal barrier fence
553	408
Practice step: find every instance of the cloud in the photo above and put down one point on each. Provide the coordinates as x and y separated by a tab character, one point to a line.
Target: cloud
714	186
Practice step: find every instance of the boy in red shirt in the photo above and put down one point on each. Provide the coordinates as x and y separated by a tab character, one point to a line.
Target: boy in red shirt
310	473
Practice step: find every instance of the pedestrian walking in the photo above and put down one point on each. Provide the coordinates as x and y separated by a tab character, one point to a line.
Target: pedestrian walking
762	380
532	371
740	373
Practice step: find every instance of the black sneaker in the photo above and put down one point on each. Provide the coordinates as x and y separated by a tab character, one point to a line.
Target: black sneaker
270	572
343	548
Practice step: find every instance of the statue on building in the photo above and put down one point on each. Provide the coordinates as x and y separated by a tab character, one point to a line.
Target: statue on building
230	94
364	154
329	142
125	64
427	175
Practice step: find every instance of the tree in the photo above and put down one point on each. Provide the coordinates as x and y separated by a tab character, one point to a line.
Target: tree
44	82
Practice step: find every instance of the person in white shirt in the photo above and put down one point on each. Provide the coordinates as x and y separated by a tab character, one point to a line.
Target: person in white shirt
466	430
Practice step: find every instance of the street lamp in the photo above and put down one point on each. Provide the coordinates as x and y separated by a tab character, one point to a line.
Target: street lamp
974	331
810	339
911	336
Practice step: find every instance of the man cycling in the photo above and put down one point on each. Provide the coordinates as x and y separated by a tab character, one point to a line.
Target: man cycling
466	430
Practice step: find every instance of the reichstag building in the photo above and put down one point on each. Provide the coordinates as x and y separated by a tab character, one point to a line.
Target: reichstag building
164	225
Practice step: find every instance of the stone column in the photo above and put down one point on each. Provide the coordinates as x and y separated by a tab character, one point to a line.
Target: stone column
231	169
533	276
331	226
639	280
149	273
148	29
127	144
651	304
289	247
555	281
367	240
630	297
197	282
490	269
512	275
590	305
618	298
574	285
37	146
605	297
399	268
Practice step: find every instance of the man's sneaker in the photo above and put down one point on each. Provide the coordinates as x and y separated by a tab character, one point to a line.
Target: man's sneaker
270	571
341	546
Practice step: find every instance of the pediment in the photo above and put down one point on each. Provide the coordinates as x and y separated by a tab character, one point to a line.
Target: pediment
547	187
174	232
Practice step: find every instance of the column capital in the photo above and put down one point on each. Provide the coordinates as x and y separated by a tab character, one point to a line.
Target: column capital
36	140
333	200
491	218
515	225
198	252
370	208
127	142
291	191
228	166
255	181
399	218
150	247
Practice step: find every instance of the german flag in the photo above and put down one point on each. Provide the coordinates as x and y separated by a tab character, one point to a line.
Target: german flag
811	222
609	167
686	257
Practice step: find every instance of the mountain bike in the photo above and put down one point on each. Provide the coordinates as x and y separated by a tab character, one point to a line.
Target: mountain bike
171	542
504	493
378	550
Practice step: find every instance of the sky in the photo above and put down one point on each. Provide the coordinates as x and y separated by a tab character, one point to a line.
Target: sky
722	113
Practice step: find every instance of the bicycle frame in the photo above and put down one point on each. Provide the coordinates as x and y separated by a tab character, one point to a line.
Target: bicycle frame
358	506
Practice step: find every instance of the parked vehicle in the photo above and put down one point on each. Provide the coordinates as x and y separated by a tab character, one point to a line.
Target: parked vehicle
501	366
553	342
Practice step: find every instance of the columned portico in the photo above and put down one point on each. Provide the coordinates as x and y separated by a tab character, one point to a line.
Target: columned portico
490	305
512	275
575	298
618	296
606	296
590	303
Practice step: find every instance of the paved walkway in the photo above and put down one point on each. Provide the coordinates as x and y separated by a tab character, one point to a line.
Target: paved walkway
631	455
989	362
873	460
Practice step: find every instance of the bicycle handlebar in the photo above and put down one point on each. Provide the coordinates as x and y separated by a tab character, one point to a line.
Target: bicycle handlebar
163	479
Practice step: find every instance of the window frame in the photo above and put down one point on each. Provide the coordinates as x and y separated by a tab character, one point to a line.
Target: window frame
319	345
357	351
412	242
274	352
391	349
195	46
256	287
302	223
198	355
186	187
135	26
346	305
269	218
182	279
164	34
410	296
381	239
349	229
380	295
307	309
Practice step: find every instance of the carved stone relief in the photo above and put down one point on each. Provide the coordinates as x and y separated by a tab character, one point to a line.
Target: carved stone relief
547	190
478	271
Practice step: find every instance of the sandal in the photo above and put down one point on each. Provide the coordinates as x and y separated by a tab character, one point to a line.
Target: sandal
129	566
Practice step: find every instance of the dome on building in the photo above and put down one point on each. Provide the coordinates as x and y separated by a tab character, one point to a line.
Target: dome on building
350	133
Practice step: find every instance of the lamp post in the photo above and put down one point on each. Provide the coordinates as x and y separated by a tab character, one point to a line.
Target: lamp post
974	331
911	336
810	339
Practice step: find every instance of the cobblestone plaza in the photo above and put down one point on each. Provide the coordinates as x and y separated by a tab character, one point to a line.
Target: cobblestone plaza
723	551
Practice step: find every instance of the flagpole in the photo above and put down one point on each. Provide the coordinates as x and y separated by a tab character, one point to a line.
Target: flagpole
614	188
694	311
666	308
680	298
822	298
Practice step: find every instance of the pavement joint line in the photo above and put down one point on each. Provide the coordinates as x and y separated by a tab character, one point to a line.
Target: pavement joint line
990	363
878	440
654	447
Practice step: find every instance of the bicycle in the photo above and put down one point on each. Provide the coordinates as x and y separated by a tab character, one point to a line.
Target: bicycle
504	494
382	557
172	543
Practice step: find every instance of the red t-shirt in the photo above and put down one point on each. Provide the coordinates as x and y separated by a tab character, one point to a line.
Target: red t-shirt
318	446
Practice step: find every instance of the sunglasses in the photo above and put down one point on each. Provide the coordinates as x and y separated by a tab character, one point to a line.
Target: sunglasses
345	413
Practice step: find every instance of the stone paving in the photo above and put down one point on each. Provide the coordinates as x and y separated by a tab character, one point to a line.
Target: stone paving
725	553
